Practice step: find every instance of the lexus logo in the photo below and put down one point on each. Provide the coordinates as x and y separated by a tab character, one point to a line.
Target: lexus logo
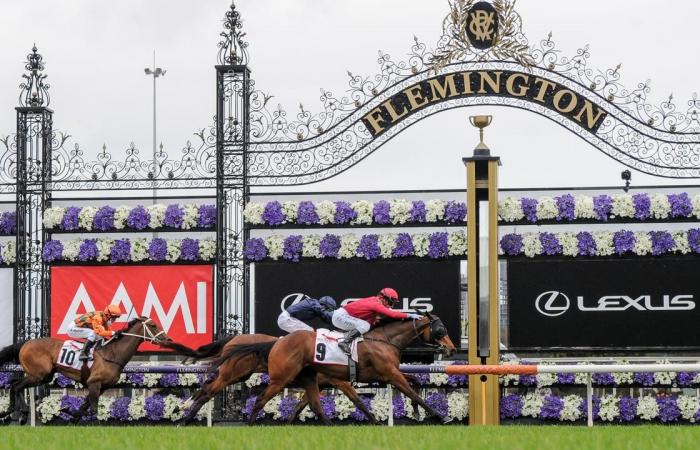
552	303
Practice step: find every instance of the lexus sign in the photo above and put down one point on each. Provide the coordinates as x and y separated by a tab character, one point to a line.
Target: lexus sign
178	297
610	303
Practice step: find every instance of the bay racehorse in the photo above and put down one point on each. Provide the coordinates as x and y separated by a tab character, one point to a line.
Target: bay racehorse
379	355
38	358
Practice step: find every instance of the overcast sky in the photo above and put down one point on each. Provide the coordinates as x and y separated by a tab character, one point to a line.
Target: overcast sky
95	52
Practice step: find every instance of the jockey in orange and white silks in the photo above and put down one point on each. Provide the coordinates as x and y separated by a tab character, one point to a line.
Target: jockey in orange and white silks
93	324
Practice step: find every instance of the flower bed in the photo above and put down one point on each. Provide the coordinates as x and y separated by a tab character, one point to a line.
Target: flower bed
8	252
602	243
629	207
130	250
8	223
137	380
369	246
362	212
137	218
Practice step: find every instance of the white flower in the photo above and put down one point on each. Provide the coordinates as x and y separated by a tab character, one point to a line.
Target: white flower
343	406
434	210
363	208
510	209
569	243
326	212
104	247
584	207
156	215
86	217
104	404
53	216
623	377
380	406
252	213
254	380
604	243
386	243
9	253
642	243
275	246
151	379
4	403
532	404
439	379
139	249
289	209
580	377
545	379
509	379
348	246
680	239
421	244
171	408
571	410
660	207
137	407
187	379
664	378
173	249
696	206
310	246
609	409
408	407
647	408
121	213
688	404
532	245
622	206
457	243
400	211
272	407
49	407
71	249
547	208
306	414
458	405
189	218
207	249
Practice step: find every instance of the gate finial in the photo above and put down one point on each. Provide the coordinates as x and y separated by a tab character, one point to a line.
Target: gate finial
232	48
33	91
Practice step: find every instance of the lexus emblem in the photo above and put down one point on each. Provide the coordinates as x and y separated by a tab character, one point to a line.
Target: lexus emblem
552	303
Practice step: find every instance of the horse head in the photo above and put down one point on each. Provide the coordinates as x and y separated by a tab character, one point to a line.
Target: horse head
433	331
149	331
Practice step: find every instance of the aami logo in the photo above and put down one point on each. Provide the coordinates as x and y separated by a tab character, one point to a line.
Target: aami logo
418	304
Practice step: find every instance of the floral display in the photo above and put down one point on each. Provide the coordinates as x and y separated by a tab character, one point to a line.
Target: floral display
8	223
370	246
8	252
361	212
628	207
602	243
108	218
128	250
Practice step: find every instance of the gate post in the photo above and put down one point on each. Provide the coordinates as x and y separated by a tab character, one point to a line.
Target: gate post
34	136
482	277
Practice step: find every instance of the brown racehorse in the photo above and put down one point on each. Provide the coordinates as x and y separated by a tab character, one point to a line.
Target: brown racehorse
38	359
379	357
234	369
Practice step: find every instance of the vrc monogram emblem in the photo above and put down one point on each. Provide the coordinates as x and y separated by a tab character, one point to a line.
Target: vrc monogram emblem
482	25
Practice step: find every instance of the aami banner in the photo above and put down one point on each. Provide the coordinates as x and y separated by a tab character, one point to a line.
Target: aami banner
613	303
431	286
7	306
179	298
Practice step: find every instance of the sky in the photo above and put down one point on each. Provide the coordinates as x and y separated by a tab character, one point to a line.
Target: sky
95	52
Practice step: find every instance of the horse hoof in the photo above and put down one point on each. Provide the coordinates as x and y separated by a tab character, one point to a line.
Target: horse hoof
446	420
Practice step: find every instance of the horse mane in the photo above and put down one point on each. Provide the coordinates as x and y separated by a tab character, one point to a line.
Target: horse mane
133	321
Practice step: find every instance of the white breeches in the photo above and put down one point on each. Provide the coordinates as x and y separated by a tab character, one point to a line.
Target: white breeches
344	321
75	331
290	324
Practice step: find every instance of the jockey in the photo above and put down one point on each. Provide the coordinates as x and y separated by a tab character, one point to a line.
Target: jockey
309	308
90	325
357	317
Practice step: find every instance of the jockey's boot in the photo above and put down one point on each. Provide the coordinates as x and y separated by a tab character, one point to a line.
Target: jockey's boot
85	352
344	344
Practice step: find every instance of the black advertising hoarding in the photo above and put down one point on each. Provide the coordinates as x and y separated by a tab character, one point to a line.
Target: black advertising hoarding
636	303
431	285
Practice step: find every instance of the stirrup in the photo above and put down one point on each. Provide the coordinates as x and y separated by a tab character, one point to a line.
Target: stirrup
345	346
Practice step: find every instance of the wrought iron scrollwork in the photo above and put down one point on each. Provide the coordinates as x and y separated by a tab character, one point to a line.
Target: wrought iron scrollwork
33	91
233	49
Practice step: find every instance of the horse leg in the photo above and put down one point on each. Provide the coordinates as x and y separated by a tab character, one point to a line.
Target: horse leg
91	402
308	381
351	393
397	379
16	389
270	391
415	385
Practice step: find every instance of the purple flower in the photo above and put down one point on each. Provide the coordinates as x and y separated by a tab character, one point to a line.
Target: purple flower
88	250
287	406
681	206
70	218
189	249
136	379
602	205
169	380
417	212
53	251
343	213
437	245
359	415
566	378
686	378
458	380
8	222
422	378
603	379
694	239
328	405
438	401
668	409
306	213
511	406
71	404
551	409
329	246
273	215
121	251
644	378
6	379
455	211
550	244
399	406
586	244
642	206
661	242
628	408
255	249
154	407
529	206
120	408
624	241
292	247
158	249
206	217
63	381
139	218
173	216
380	212
404	246
527	380
566	206
369	247
264	379
104	218
583	407
512	244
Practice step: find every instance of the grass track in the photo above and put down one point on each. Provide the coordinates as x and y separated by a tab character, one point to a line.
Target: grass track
351	438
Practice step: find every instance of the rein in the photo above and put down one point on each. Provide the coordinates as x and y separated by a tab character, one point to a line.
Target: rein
152	338
416	330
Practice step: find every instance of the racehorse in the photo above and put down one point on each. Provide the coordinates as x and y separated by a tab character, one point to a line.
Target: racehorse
378	354
38	358
236	368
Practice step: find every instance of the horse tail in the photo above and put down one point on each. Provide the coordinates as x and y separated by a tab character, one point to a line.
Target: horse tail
261	350
213	349
10	353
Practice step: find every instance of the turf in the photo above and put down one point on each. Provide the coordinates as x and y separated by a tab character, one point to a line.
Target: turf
351	438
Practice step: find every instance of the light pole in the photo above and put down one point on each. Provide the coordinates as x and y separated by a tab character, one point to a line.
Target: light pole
155	72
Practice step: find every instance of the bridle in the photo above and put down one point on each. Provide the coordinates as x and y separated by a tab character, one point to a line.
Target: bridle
147	334
417	334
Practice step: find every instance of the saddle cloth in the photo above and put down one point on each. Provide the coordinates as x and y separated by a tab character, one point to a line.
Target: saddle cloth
327	350
68	355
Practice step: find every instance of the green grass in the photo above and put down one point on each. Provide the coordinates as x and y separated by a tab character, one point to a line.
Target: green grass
351	438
